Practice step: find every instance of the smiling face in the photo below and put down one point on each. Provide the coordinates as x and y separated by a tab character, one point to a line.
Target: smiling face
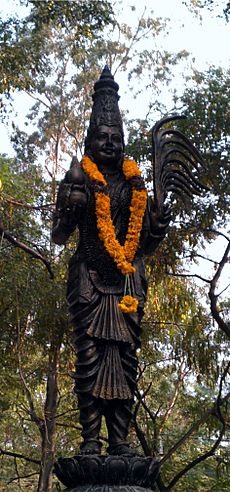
107	146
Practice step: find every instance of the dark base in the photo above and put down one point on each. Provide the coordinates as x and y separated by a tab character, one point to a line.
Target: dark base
107	473
108	488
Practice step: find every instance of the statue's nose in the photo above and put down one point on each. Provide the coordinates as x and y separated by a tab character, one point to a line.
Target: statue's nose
109	141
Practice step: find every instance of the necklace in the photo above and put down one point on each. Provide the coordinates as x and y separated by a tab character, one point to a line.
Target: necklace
123	256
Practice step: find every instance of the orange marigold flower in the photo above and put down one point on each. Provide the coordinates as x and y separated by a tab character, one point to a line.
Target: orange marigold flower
128	304
130	169
92	171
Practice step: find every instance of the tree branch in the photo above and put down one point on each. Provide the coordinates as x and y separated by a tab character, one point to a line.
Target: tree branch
213	296
21	477
19	456
194	427
34	417
223	290
197	255
217	233
141	436
142	402
36	98
22	204
217	413
69	426
192	275
173	400
195	462
27	249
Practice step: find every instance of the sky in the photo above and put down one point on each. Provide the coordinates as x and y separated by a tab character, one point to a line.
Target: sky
207	38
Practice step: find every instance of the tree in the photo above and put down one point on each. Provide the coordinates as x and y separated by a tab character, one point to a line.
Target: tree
23	41
211	5
206	105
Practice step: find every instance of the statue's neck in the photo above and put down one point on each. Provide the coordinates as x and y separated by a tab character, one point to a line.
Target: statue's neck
109	170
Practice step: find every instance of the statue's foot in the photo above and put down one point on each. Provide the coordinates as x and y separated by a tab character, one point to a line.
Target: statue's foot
122	450
90	447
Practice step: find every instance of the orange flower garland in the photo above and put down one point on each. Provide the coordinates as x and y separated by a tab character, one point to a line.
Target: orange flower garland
122	255
92	171
106	232
137	209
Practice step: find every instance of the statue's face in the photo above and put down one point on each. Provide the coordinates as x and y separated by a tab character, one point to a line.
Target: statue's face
107	145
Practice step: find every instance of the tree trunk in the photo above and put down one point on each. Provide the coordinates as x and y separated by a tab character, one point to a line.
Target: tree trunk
50	411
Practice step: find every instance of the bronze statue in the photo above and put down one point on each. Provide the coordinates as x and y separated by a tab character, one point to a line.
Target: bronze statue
105	197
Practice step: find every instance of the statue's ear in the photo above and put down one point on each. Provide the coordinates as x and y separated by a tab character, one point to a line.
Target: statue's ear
87	143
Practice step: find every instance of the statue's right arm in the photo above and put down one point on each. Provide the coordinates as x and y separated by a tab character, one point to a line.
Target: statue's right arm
71	202
62	228
66	215
63	223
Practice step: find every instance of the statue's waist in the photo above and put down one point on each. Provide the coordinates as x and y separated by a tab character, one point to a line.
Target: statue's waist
83	280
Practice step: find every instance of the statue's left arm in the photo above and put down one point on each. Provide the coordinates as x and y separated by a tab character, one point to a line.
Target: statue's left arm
155	227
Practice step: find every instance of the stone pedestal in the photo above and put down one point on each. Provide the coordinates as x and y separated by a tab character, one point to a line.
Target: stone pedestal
108	488
93	473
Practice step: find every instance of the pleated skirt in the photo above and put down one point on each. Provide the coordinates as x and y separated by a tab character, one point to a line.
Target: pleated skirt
106	341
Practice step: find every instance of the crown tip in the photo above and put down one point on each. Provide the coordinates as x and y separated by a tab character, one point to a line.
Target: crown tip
106	69
106	80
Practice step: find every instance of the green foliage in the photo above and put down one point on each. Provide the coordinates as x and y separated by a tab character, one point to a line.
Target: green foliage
24	50
182	351
222	9
88	17
208	122
33	315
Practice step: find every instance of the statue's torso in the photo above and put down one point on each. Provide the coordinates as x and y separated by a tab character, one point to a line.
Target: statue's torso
92	266
91	248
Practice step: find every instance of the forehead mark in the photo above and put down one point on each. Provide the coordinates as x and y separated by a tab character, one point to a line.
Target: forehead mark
109	130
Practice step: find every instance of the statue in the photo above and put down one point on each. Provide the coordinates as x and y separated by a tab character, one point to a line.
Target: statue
105	197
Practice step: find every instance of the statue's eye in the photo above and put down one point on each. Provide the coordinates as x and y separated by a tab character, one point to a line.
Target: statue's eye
116	138
101	137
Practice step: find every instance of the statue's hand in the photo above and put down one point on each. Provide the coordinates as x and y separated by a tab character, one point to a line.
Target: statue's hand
72	196
159	219
78	196
76	177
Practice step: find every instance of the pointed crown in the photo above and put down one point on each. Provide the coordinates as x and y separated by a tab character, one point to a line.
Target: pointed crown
105	110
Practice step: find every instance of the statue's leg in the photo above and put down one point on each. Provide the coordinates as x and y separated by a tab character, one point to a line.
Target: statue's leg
118	412
88	359
90	419
118	415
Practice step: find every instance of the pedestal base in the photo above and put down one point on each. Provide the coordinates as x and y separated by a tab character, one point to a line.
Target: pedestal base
108	488
93	473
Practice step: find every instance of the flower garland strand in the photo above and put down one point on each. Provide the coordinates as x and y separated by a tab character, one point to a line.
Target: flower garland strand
122	255
128	303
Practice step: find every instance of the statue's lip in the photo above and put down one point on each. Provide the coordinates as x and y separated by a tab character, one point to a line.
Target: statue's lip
107	151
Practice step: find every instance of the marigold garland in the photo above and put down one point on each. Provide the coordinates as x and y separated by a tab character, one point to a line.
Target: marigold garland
122	255
92	170
130	169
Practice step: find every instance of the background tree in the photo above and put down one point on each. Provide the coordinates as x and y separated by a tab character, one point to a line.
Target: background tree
221	10
198	358
23	41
